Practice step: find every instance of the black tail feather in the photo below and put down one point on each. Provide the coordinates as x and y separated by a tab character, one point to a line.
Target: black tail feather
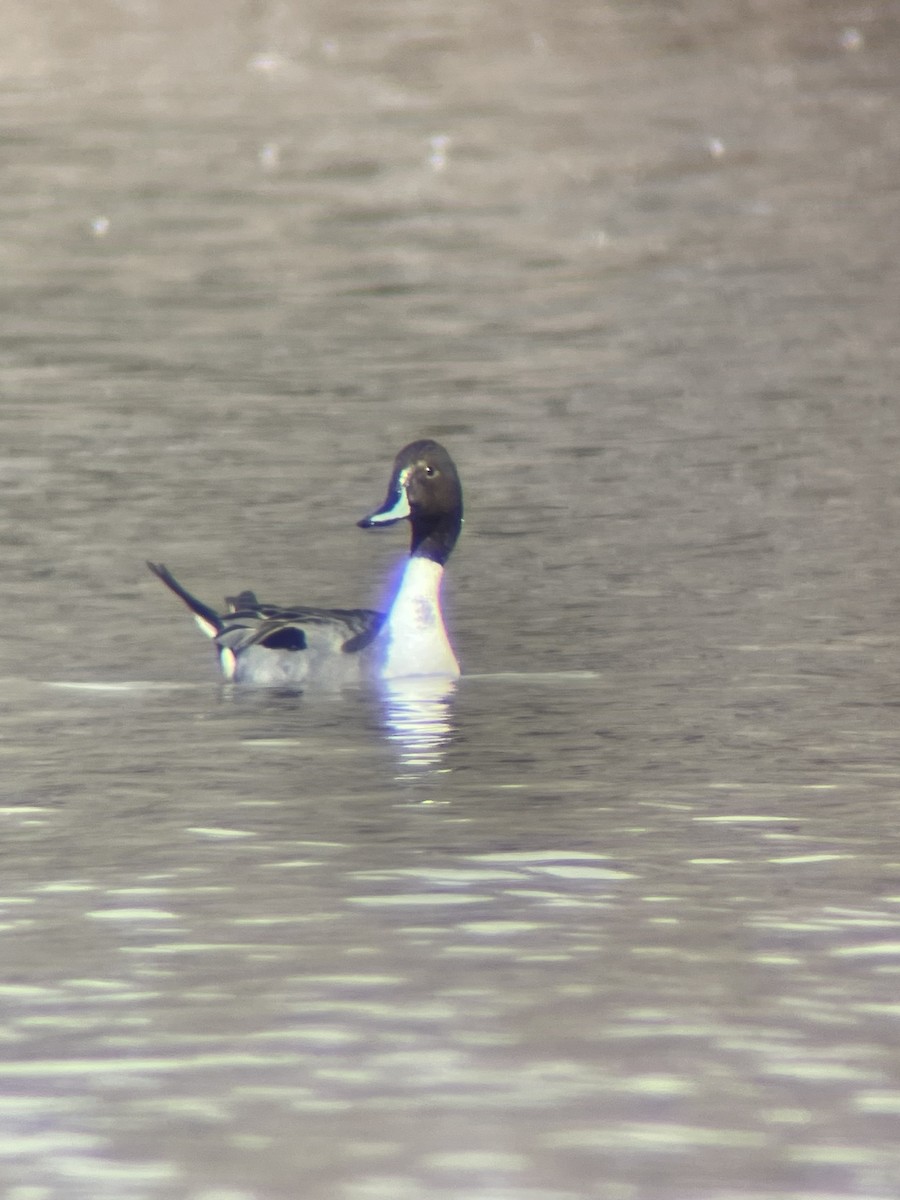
206	614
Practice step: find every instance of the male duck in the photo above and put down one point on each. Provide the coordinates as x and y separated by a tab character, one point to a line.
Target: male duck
266	645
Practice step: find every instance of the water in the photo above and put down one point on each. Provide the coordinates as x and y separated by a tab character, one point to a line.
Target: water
617	916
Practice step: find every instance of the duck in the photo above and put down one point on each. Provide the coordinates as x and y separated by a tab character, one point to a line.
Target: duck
297	646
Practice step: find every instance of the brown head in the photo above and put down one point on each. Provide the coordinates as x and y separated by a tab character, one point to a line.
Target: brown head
425	490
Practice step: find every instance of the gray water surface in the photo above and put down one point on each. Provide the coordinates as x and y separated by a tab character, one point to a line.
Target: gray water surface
616	916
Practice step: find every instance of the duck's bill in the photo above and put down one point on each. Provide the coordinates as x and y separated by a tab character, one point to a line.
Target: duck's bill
395	508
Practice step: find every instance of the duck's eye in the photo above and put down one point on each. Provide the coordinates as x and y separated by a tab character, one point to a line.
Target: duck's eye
429	470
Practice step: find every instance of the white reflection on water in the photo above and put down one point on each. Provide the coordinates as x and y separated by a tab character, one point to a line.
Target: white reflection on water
417	719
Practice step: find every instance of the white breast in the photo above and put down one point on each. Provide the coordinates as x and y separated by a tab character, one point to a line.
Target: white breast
415	637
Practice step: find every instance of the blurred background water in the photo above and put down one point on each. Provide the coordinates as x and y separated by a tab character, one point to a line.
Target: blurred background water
617	917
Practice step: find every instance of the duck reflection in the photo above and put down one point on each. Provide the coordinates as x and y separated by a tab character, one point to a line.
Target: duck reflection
418	719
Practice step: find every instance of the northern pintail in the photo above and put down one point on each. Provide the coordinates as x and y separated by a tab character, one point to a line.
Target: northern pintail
267	645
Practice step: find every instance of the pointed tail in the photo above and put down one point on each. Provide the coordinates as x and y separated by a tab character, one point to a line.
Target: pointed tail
207	618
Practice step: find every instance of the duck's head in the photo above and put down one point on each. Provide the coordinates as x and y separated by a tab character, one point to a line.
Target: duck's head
425	490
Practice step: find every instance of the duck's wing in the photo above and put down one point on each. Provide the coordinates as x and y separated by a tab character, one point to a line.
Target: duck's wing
274	628
250	622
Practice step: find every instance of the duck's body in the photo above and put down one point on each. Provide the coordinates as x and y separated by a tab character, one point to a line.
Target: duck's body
267	645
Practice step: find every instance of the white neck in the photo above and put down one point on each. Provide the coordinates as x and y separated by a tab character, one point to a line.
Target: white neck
417	641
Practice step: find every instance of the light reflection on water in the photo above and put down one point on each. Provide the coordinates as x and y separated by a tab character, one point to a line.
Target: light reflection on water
417	715
400	1016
